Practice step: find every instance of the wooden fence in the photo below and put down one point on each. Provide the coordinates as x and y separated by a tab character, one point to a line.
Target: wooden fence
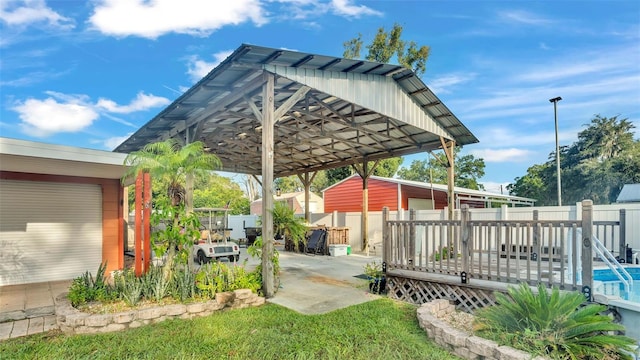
554	252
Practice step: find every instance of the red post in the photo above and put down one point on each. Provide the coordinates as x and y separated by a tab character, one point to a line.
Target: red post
146	216
138	226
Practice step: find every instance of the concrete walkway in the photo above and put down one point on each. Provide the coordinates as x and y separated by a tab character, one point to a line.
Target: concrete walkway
308	284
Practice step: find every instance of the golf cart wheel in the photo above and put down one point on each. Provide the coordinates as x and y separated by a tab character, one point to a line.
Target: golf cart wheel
202	258
237	257
232	258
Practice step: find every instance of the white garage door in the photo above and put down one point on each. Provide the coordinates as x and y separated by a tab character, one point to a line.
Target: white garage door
48	231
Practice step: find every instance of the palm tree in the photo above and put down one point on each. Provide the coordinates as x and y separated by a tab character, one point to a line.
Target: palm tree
170	162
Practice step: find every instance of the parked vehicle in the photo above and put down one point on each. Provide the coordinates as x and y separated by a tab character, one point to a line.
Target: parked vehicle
215	247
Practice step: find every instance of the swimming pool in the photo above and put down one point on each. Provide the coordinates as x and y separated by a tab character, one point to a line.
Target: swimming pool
607	283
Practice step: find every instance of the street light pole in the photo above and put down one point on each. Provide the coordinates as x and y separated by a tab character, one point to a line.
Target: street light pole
555	115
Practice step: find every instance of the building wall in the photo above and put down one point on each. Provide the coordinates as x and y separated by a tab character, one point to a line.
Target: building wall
112	219
347	196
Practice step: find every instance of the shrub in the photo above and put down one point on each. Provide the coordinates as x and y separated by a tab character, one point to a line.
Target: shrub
86	288
128	287
555	324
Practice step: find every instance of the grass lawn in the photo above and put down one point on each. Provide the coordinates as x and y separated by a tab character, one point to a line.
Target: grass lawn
380	329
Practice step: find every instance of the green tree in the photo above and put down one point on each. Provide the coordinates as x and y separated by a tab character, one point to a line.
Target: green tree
387	44
468	170
595	167
170	163
215	190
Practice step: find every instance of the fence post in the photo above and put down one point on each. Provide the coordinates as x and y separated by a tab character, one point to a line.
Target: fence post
465	229
386	241
587	253
412	238
623	240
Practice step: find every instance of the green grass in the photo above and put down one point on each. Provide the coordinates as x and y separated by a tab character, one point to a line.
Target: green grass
380	329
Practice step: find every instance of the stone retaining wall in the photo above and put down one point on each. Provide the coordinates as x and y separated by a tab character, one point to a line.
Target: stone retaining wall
71	320
459	342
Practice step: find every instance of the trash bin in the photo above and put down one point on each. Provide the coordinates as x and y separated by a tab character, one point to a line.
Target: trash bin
348	249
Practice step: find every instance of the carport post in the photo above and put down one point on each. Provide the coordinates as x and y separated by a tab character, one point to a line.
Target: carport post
268	277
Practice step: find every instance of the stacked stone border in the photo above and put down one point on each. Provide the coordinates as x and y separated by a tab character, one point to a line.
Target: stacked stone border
72	321
459	342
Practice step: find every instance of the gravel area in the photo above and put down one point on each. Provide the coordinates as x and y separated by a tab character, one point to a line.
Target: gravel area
460	320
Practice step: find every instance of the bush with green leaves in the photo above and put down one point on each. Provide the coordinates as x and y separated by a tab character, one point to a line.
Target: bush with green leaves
86	288
556	324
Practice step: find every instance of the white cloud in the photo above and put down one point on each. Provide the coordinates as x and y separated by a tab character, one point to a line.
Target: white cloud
75	112
140	103
502	155
112	142
524	17
27	12
441	84
151	19
198	68
42	118
347	9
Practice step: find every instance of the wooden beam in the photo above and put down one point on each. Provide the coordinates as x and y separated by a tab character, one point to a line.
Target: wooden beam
268	276
292	100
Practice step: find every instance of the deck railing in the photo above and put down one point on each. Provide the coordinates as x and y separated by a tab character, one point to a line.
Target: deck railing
553	252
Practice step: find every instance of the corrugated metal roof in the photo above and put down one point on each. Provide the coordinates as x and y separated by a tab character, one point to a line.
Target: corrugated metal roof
629	193
341	111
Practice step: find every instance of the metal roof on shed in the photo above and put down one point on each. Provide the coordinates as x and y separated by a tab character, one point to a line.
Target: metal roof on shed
629	193
330	112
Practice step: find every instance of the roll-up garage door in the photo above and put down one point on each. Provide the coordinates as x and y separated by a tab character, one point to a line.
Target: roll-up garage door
48	231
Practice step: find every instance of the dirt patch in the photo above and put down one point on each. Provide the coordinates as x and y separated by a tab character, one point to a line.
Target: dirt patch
328	280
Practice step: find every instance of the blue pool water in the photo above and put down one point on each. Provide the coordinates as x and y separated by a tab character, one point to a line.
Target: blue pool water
607	283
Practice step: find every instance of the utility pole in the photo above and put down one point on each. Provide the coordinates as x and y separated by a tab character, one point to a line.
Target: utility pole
555	115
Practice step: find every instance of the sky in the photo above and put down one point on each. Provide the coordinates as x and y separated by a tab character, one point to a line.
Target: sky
90	73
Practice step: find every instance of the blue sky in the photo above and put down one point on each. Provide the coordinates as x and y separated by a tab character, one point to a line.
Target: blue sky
89	73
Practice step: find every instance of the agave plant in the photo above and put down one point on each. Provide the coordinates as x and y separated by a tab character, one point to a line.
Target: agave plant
556	324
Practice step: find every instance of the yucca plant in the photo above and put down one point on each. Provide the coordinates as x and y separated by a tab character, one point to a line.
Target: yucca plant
555	324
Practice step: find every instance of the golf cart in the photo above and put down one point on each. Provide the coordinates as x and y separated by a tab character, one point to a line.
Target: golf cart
215	242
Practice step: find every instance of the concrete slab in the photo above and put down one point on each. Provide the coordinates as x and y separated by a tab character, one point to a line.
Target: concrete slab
20	328
5	330
36	326
321	284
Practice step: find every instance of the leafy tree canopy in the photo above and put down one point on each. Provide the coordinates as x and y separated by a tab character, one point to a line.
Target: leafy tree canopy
596	166
468	170
387	44
216	190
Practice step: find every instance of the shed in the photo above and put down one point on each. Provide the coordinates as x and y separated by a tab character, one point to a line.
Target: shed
295	201
60	211
345	196
630	193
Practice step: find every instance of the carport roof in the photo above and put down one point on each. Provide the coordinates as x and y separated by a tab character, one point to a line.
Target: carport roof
330	112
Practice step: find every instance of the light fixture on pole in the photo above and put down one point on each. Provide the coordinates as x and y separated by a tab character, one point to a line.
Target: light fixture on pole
555	115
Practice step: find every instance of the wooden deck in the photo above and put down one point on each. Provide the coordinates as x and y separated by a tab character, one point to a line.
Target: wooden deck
467	260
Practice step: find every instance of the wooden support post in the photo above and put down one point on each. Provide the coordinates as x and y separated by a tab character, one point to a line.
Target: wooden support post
268	276
412	240
137	247
587	252
306	182
466	229
146	223
386	236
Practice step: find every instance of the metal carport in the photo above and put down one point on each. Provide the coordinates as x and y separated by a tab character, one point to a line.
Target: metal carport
275	112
